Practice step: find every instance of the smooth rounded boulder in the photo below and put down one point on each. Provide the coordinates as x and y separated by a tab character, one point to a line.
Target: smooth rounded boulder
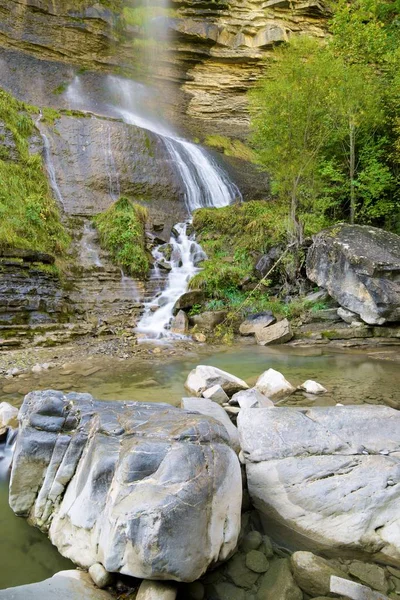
204	377
147	490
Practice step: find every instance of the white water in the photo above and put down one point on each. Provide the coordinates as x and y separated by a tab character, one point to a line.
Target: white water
204	182
48	162
6	453
89	251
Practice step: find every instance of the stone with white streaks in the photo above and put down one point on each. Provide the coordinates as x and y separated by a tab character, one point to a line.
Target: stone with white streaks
327	477
147	490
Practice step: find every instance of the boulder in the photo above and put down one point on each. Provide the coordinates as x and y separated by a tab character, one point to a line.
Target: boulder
280	333
156	590
348	316
180	323
204	377
100	576
121	483
312	387
360	267
267	261
187	300
278	583
215	411
250	399
326	477
8	416
256	322
216	394
370	574
65	585
274	385
313	573
208	320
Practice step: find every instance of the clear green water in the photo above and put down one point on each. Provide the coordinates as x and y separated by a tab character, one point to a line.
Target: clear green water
28	556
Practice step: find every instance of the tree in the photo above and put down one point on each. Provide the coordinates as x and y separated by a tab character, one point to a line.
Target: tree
291	124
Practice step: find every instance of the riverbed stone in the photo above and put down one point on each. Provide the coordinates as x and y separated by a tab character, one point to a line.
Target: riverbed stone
278	583
313	573
274	385
180	323
215	411
327	477
369	574
156	590
251	541
354	591
279	333
216	394
100	576
204	377
66	585
8	416
196	590
359	265
227	591
312	387
238	571
256	561
209	319
251	398
256	322
120	483
187	300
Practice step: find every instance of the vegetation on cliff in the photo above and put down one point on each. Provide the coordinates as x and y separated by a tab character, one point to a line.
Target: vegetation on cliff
122	233
326	120
29	216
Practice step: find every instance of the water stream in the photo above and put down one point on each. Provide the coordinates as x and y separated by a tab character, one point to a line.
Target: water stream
48	162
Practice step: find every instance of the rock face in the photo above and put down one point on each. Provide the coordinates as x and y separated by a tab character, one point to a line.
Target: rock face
327	478
121	484
204	377
256	323
360	268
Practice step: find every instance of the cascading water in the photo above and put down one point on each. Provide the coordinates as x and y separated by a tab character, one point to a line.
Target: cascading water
204	182
48	162
89	251
113	175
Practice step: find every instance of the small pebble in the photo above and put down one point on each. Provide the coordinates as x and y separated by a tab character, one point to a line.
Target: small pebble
100	576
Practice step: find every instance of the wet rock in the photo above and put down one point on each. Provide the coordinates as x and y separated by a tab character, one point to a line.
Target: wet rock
312	387
180	323
349	453
208	320
100	576
256	561
280	333
251	541
215	411
8	416
371	575
97	477
256	322
68	585
216	394
227	591
278	583
204	377
163	264
251	398
274	385
237	570
360	267
313	574
156	590
187	300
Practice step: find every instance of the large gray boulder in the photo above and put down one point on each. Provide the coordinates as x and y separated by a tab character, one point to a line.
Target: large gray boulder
326	478
360	268
215	411
147	490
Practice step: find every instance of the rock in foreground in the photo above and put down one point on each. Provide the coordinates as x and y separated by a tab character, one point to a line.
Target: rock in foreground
327	477
360	268
147	490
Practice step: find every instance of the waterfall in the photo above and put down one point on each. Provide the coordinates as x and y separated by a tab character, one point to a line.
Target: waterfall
89	251
6	453
113	175
48	162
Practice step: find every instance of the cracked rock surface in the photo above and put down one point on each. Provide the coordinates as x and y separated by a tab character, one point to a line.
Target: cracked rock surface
147	490
327	478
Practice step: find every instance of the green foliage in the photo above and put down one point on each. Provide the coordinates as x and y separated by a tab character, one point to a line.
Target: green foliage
29	216
140	16
122	233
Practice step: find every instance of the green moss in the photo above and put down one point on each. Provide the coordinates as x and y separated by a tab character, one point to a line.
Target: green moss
230	147
29	216
50	115
122	233
140	16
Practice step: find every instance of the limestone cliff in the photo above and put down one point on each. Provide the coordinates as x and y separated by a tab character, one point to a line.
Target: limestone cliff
215	52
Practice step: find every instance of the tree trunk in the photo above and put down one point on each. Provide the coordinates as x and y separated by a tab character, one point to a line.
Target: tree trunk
352	134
